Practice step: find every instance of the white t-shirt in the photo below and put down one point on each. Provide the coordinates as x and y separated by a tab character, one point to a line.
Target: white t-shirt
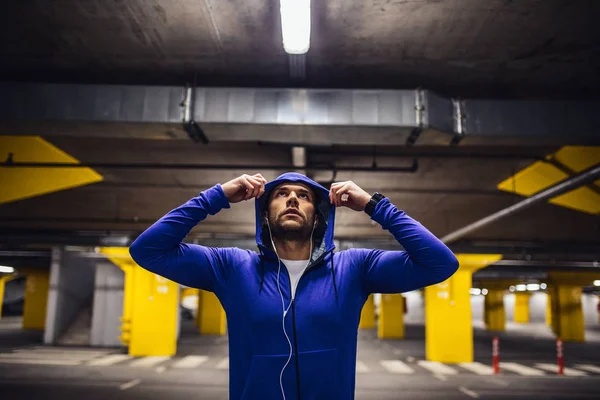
296	269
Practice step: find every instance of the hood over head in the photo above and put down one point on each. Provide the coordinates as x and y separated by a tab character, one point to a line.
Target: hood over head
325	212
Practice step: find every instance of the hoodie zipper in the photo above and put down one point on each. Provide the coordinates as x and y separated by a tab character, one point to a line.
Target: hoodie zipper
310	265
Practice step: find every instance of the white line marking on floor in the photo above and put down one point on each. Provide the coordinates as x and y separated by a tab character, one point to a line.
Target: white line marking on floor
521	369
109	360
146	362
74	357
437	367
410	359
160	370
223	364
588	367
64	350
129	384
468	392
38	362
440	377
397	352
554	368
190	362
478	368
361	367
396	367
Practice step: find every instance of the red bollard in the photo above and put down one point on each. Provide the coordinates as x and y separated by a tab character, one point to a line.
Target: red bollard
559	356
496	355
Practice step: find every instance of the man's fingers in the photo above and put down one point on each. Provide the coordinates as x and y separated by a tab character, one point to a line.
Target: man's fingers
248	187
258	186
260	177
342	194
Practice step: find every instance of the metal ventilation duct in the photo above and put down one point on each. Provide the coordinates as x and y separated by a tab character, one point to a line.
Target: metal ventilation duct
298	116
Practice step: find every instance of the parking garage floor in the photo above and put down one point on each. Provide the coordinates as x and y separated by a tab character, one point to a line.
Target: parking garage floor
390	369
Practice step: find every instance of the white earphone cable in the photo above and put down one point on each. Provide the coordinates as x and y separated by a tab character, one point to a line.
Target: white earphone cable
285	310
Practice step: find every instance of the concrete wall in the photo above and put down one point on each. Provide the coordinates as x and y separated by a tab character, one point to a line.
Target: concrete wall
415	306
71	289
108	305
477	308
590	309
537	307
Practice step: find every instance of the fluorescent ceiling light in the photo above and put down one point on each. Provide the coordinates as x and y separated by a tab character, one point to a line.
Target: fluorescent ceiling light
521	288
533	286
543	286
512	288
484	292
597	283
475	291
6	270
295	25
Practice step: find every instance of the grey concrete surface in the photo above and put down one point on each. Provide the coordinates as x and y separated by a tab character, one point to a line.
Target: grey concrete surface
74	374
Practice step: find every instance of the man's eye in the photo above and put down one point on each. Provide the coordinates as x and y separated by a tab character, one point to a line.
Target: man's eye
304	196
281	193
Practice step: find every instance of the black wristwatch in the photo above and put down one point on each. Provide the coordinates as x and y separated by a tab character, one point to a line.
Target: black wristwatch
370	207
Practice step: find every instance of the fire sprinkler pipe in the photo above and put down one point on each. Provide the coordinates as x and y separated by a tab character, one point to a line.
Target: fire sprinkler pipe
317	167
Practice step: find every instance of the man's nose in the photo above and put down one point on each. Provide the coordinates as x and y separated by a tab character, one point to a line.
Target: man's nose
292	199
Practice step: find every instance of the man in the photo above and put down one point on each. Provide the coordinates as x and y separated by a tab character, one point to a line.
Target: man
293	310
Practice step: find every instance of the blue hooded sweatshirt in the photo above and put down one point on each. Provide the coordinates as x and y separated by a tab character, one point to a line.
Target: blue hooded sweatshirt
322	321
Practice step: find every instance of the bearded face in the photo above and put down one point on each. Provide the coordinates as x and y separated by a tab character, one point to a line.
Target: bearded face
292	211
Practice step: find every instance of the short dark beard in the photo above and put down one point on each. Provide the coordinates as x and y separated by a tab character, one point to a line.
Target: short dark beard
298	234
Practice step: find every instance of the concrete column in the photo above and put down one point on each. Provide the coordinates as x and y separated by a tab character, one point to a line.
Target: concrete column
3	279
37	284
150	308
367	315
211	318
549	308
71	291
449	330
522	307
391	317
495	314
567	313
108	305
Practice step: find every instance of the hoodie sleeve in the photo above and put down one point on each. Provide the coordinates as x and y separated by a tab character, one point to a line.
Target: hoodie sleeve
159	248
424	261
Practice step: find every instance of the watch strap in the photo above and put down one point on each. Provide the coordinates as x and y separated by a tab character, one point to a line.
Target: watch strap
370	207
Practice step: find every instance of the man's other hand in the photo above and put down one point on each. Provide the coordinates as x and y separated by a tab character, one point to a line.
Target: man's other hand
348	194
244	187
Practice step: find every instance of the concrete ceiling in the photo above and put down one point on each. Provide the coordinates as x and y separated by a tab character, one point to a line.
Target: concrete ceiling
526	48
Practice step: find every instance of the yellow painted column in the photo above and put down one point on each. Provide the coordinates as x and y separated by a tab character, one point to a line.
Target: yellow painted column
567	310
37	284
548	309
522	307
211	318
495	315
367	315
3	279
150	308
448	327
391	317
568	318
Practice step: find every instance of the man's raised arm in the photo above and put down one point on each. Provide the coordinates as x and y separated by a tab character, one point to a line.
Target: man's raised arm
160	248
425	260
